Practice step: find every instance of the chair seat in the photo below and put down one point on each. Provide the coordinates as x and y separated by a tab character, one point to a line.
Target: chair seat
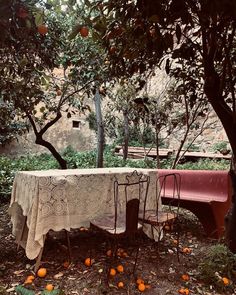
151	217
107	223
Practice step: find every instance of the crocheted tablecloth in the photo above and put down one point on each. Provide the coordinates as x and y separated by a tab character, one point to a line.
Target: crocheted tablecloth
65	199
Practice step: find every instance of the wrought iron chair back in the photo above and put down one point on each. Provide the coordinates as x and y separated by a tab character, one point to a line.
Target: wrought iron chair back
135	189
168	184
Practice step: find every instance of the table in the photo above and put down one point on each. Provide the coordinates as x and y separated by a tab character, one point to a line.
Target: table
64	199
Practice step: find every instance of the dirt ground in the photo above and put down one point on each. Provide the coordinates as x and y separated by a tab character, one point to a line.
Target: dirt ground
160	270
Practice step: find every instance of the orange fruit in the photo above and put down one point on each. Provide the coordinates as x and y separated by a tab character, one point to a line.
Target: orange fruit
141	287
66	264
28	282
175	242
42	272
120	252
84	31
112	49
226	281
42	29
88	261
30	277
186	250
184	291
185	277
112	272
49	287
109	253
120	268
140	281
120	285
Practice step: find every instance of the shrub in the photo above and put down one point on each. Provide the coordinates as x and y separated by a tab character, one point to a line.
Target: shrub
205	164
222	145
87	160
218	262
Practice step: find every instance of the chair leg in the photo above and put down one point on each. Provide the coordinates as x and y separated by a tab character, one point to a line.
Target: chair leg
135	260
178	237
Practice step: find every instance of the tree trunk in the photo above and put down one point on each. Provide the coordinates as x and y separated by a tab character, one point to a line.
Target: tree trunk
228	120
126	135
230	218
39	140
157	148
100	129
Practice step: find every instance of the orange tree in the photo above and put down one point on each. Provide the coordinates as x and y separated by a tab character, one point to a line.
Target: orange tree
35	42
28	56
139	34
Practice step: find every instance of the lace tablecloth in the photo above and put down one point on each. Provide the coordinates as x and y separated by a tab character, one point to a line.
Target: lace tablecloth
64	199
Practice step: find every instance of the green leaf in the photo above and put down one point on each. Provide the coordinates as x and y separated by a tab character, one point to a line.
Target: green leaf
53	292
21	290
39	17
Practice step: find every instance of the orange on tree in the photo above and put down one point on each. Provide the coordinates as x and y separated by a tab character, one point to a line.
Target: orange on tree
49	287
120	285
88	261
84	31
112	272
59	92
22	13
120	268
141	287
42	272
42	29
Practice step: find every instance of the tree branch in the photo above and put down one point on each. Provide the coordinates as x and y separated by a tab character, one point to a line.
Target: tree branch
49	124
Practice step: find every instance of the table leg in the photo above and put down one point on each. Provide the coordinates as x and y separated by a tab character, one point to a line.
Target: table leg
19	238
38	260
69	245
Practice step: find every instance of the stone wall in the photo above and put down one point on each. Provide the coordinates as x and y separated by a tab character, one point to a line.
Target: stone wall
73	131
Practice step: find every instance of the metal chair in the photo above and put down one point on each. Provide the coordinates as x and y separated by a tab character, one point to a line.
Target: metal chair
129	196
158	218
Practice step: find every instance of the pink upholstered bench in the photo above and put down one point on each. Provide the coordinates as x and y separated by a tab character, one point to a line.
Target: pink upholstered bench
206	193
